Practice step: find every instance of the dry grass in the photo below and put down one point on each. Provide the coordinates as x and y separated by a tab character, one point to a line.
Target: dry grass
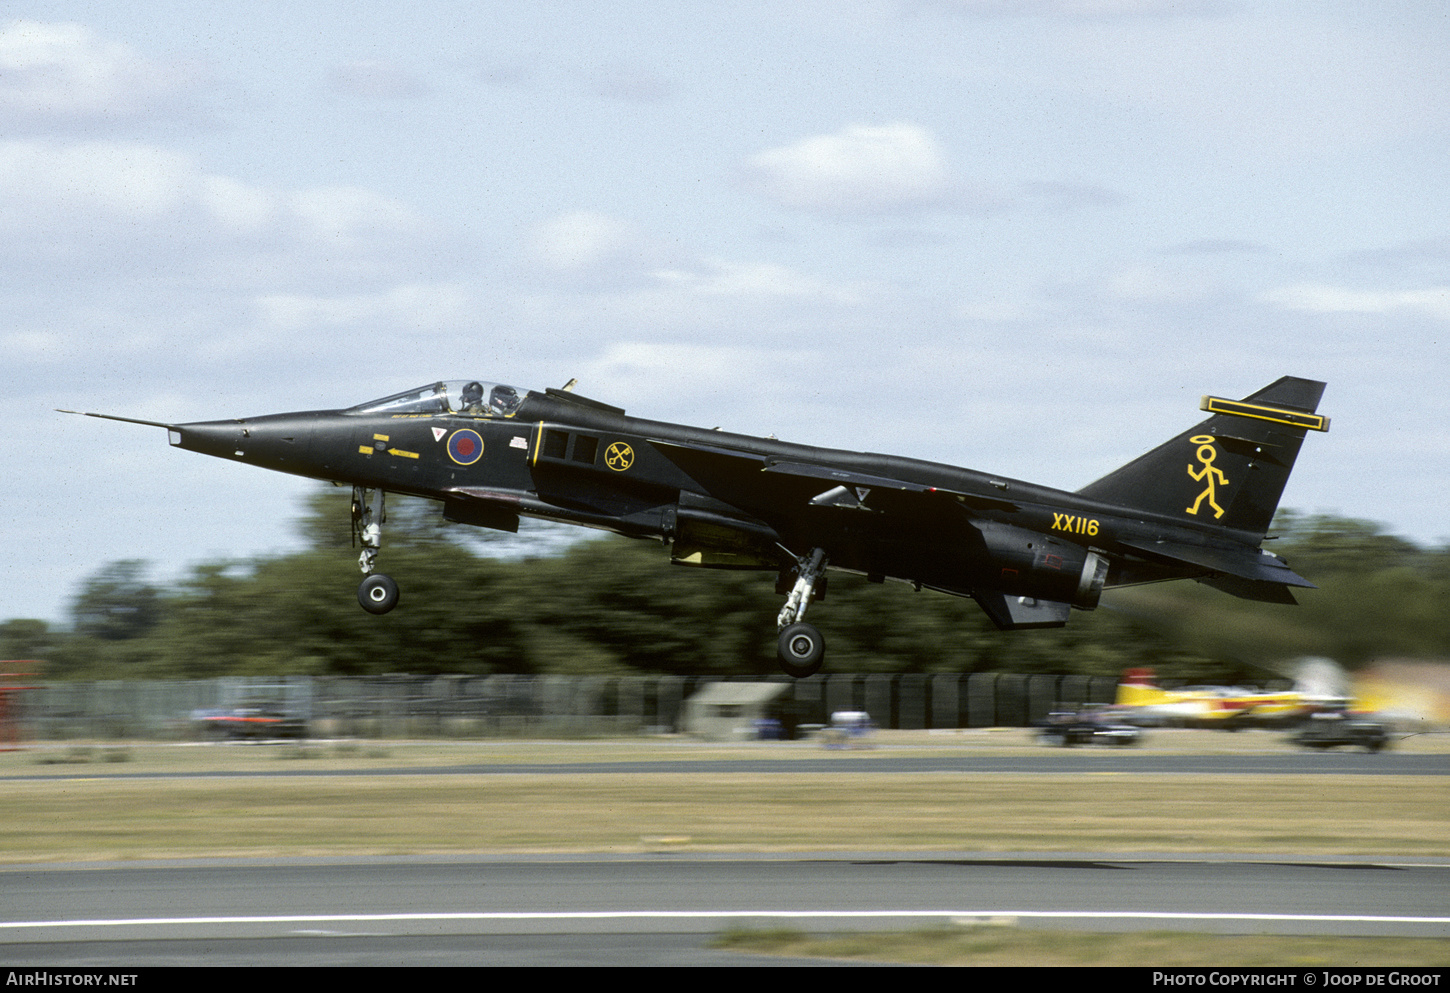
105	817
1010	946
85	806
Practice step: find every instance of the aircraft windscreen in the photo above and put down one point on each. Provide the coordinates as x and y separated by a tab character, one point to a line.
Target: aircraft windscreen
459	396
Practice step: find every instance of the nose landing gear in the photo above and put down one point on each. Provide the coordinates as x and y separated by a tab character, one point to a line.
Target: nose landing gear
377	594
801	648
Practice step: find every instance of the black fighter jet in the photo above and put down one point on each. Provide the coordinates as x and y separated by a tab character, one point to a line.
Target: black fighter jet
1196	507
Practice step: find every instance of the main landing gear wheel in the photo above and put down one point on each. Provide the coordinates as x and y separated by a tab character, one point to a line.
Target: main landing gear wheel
802	650
378	594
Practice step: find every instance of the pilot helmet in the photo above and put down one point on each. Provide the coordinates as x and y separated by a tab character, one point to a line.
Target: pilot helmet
472	394
504	399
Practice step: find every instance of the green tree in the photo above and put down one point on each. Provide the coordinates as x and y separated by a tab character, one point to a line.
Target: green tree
117	603
24	638
1325	543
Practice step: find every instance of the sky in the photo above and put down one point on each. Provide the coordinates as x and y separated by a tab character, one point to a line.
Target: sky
1023	236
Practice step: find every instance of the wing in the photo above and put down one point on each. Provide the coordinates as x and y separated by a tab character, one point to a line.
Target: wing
855	482
862	490
877	524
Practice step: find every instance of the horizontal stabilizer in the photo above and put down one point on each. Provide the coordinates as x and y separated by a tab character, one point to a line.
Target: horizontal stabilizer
1249	564
1014	613
1247	589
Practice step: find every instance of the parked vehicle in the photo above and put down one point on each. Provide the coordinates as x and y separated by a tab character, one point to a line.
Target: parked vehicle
1092	724
1334	728
249	724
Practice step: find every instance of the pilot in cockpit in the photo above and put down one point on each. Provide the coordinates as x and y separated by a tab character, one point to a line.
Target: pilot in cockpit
472	399
504	400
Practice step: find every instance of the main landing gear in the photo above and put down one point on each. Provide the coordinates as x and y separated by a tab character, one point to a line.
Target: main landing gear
802	650
378	594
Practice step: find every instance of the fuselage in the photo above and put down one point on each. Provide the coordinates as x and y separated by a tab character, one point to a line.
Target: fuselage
720	499
1197	506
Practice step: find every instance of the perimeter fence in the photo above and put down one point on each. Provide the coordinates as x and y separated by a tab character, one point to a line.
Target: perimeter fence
404	706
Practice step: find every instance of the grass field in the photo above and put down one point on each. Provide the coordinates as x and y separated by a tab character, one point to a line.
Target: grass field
82	807
1014	947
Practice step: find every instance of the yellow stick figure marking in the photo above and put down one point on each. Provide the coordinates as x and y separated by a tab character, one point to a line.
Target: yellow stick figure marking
1207	474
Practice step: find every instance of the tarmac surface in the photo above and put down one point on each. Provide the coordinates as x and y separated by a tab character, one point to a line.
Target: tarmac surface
663	909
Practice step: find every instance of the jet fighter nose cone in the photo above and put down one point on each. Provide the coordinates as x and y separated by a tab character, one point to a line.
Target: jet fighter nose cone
273	441
221	438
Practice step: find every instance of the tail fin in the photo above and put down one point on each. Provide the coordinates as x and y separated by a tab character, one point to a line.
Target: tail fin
1229	470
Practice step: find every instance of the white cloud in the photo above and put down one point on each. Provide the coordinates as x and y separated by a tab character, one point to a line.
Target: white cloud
33	346
45	184
580	241
741	387
234	204
65	75
746	279
348	214
862	169
1161	283
630	364
414	306
592	252
81	209
607	265
40	179
1318	298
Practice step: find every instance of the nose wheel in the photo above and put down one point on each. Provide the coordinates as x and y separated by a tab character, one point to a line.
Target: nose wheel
801	648
377	594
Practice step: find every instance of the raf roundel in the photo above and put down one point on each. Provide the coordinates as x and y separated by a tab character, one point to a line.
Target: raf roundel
465	446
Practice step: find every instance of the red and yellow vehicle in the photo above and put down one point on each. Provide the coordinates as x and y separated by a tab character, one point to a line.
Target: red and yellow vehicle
1226	707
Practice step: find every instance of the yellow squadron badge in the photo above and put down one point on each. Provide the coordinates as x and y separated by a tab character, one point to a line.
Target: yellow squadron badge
619	456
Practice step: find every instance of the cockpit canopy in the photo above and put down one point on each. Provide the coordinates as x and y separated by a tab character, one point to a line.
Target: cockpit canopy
456	396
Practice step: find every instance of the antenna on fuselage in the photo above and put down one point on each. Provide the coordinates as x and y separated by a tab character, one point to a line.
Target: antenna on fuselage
569	386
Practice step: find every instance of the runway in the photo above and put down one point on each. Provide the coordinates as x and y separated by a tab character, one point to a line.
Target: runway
662	909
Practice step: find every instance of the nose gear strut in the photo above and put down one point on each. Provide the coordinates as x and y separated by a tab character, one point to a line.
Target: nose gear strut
377	594
801	649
